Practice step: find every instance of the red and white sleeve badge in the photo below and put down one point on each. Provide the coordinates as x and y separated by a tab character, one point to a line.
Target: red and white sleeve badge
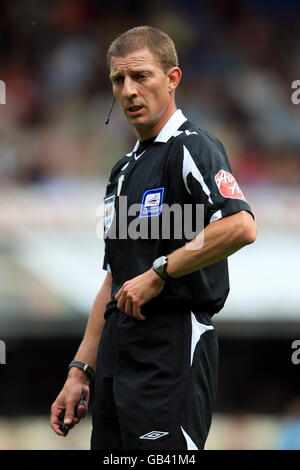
228	186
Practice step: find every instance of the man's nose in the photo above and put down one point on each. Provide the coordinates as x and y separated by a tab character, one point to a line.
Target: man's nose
129	88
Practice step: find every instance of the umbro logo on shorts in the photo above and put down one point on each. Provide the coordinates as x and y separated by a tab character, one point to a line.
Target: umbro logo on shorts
153	435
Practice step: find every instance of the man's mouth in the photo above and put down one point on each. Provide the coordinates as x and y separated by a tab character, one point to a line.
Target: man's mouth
133	109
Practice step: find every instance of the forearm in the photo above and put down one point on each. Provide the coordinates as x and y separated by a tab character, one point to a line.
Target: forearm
87	351
77	381
217	241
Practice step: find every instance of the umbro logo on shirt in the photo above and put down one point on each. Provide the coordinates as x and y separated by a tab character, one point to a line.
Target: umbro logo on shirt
152	435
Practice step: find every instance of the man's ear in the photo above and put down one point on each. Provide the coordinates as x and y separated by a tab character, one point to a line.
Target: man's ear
174	77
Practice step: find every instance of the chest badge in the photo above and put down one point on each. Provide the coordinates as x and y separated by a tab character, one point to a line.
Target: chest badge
152	202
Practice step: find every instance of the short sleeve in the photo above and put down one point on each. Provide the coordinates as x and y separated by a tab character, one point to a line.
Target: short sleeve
208	178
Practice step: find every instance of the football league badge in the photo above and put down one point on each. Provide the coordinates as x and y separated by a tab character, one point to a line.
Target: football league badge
152	202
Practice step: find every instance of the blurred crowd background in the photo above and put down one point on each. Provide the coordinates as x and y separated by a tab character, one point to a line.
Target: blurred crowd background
239	60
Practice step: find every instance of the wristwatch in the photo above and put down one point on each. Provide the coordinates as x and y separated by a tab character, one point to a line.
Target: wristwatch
159	266
84	367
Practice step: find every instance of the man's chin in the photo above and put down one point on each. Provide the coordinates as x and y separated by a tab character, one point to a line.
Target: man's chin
137	121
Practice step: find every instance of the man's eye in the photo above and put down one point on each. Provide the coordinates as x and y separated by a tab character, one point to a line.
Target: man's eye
141	76
118	80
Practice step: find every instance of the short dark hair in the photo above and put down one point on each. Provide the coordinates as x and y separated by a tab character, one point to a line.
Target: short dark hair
159	44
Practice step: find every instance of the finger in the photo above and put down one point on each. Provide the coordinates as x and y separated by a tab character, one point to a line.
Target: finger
142	317
54	420
121	302
56	429
137	312
82	408
128	306
69	413
81	412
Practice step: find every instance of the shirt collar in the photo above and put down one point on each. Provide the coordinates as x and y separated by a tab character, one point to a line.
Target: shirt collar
169	129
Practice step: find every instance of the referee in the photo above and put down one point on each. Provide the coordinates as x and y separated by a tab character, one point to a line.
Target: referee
157	362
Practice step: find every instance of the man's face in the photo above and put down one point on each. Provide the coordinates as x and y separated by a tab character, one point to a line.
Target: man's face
141	87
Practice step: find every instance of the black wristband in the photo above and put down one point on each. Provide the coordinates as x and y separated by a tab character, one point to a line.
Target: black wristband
84	367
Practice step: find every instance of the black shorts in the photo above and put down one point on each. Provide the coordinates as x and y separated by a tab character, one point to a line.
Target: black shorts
156	382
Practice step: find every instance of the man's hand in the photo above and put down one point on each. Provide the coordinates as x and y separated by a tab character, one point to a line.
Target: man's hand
67	400
138	291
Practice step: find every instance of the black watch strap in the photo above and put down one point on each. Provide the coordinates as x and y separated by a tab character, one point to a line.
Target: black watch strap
163	274
84	367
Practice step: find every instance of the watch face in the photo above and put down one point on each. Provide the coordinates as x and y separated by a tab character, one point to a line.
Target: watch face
159	263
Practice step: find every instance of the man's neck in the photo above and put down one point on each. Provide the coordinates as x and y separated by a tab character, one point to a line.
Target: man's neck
145	133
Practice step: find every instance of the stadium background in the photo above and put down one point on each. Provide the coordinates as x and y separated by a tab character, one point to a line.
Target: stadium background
239	60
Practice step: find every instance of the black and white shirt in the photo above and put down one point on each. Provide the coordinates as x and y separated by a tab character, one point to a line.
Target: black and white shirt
183	165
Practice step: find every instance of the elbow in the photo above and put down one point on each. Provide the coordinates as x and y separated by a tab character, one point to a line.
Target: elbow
250	235
248	230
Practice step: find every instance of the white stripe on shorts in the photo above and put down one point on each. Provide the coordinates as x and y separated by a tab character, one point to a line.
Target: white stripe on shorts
197	330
